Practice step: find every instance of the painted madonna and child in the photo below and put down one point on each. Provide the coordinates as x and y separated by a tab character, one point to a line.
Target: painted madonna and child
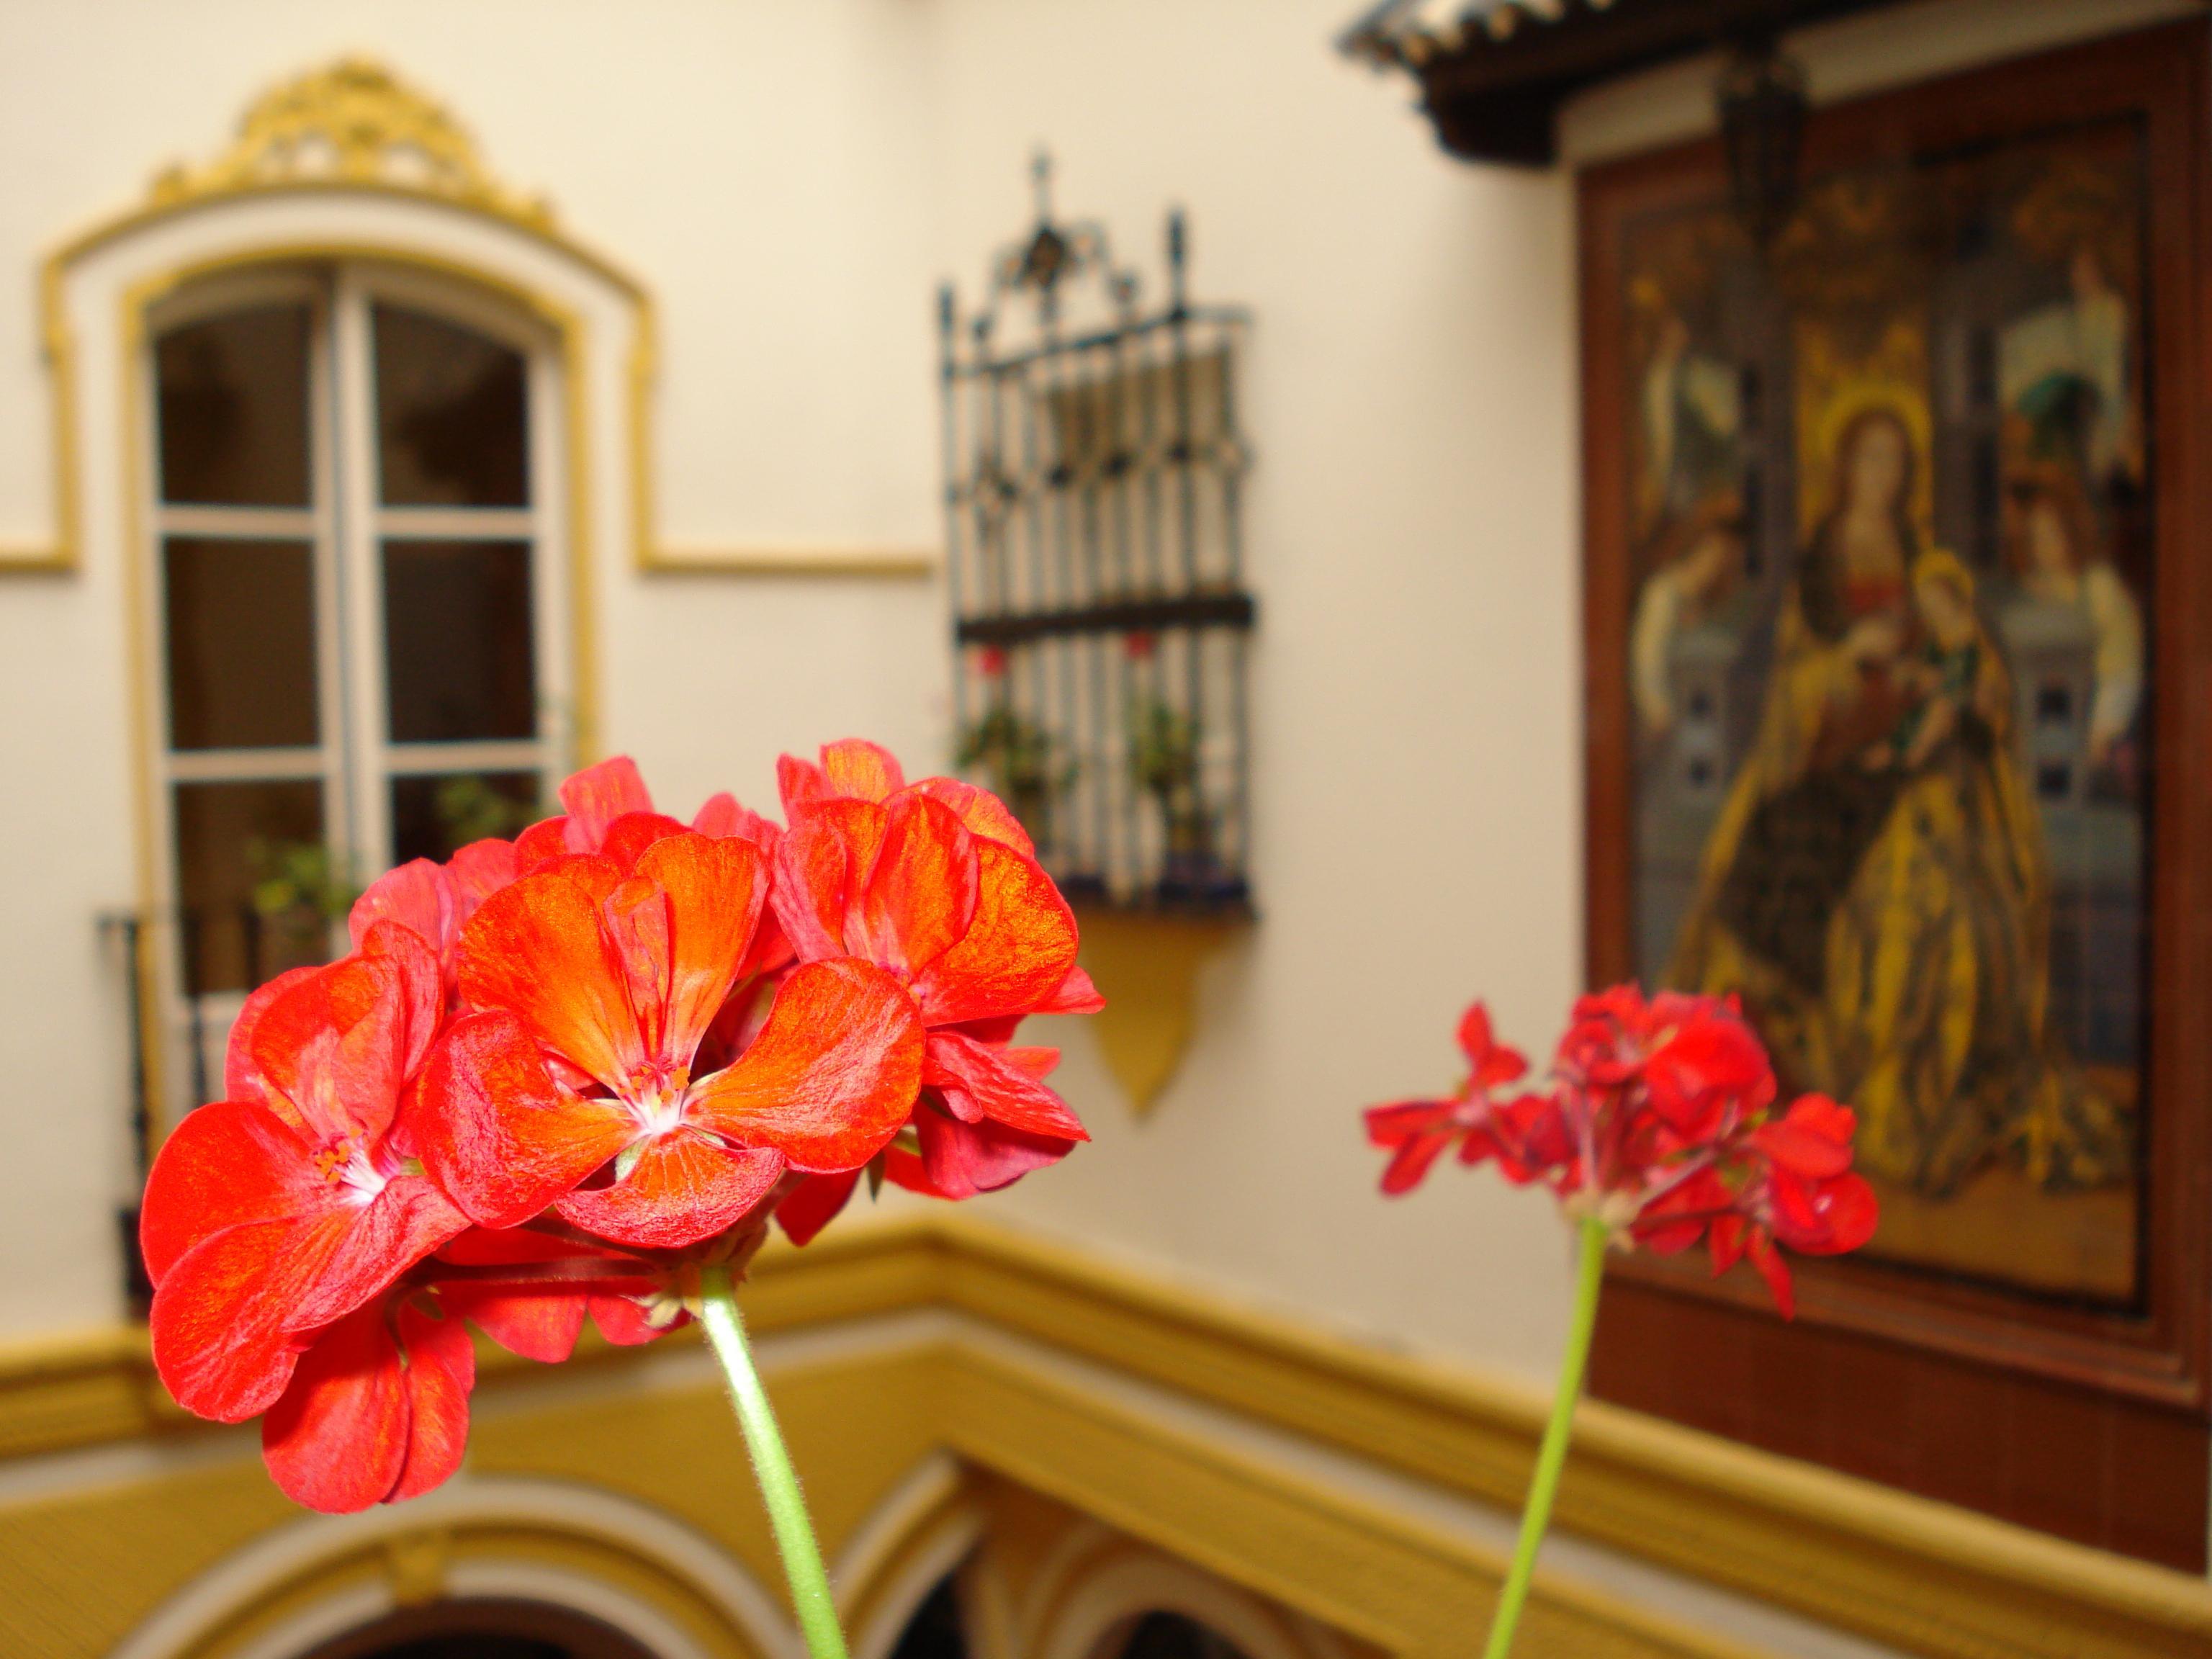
1888	662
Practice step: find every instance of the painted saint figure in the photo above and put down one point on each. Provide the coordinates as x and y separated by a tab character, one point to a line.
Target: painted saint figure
1875	887
1699	566
2058	558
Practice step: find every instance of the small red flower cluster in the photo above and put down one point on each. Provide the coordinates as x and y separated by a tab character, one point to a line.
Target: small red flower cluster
1658	1118
556	1076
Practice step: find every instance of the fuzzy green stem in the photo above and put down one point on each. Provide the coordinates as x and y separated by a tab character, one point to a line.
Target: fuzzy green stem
1552	1456
779	1481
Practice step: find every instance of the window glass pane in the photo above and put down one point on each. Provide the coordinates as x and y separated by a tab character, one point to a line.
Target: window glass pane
451	426
435	817
233	408
241	639
256	886
459	661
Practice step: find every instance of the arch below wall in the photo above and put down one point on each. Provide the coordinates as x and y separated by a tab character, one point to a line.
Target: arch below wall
1109	1586
565	1545
924	1528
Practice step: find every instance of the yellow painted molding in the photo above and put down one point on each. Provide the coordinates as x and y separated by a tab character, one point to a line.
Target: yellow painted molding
1919	1576
1147	968
355	127
1354	1564
795	560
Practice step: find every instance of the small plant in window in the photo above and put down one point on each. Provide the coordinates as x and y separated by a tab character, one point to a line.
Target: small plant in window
468	809
1658	1127
579	1074
299	881
1023	760
1164	763
299	892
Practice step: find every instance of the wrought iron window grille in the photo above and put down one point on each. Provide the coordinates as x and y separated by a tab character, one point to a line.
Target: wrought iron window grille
1093	476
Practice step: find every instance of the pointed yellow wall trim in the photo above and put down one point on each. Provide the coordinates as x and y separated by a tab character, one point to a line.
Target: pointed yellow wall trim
1147	968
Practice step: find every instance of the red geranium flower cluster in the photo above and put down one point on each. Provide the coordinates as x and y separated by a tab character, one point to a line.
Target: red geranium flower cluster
556	1076
1659	1119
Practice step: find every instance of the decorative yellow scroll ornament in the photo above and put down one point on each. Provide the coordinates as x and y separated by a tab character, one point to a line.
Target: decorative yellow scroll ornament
354	123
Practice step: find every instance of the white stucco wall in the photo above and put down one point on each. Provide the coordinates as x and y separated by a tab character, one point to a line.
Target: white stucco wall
1413	540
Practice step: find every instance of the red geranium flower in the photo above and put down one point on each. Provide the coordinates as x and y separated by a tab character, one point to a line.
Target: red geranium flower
1657	1120
927	881
592	1074
572	1076
1416	1132
271	1216
1805	1197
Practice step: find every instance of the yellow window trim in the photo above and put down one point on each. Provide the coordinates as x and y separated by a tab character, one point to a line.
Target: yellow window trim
353	126
1920	1576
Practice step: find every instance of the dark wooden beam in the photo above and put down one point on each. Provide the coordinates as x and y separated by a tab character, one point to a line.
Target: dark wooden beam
1496	100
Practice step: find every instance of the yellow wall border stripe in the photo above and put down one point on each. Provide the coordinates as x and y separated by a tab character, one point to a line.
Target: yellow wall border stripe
1920	1576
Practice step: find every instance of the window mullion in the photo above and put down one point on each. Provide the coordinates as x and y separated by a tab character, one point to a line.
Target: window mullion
360	605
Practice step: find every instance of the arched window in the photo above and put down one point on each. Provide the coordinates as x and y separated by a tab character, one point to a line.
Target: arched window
356	549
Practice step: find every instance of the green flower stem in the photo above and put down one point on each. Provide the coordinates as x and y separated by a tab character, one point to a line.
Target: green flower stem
1552	1456
779	1481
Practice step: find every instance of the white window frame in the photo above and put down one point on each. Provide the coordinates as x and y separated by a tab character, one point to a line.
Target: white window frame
346	525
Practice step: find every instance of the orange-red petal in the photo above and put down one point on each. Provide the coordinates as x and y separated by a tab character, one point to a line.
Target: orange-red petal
497	1133
598	795
442	1368
814	1204
960	1160
219	1321
336	1441
979	1080
628	836
536	950
682	1188
478	871
862	770
719	815
832	1075
241	1073
716	891
1015	955
920	896
1076	996
402	1223
983	811
225	1165
538	1322
823	865
418	894
336	1047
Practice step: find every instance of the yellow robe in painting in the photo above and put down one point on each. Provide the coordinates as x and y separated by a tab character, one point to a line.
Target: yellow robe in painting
1889	934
